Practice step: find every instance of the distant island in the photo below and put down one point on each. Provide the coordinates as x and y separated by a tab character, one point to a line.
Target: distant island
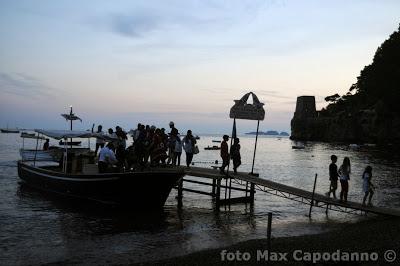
269	133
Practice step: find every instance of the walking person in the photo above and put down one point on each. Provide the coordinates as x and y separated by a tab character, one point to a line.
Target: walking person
333	177
344	175
99	141
235	155
224	153
188	145
368	187
177	151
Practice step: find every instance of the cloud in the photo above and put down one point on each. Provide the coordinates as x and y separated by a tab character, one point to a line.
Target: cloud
134	25
141	19
273	94
138	24
23	85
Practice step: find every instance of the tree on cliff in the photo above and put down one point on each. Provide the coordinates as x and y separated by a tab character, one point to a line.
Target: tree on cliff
378	86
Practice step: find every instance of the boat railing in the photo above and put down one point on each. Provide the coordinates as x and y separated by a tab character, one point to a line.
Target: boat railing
54	155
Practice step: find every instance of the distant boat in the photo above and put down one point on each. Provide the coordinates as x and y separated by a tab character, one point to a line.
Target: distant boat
7	130
298	147
73	143
216	141
26	134
354	146
214	147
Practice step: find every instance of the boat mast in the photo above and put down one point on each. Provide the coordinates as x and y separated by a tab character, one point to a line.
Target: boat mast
70	114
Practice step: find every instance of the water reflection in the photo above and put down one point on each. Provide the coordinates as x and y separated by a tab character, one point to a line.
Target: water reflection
50	229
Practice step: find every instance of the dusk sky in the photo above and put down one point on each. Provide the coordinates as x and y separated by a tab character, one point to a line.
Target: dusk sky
124	62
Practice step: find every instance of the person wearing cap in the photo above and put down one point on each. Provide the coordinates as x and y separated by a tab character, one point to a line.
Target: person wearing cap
224	153
171	142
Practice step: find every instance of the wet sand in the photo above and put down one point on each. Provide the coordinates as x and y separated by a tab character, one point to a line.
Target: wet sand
375	235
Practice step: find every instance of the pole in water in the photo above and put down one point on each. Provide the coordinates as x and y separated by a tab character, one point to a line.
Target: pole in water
269	231
313	194
70	113
255	147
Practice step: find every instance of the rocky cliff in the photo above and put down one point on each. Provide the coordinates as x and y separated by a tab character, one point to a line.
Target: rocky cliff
368	113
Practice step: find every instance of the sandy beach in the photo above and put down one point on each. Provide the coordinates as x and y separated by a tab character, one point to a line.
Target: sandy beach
373	238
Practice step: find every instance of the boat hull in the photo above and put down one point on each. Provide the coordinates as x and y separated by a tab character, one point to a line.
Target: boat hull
137	190
9	131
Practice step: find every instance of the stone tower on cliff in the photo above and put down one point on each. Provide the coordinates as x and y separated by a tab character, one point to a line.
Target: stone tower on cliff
305	107
303	118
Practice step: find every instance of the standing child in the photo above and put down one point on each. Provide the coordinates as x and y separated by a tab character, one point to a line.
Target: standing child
344	174
333	177
368	187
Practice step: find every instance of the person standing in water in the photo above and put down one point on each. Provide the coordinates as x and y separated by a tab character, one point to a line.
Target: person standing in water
368	187
333	177
344	175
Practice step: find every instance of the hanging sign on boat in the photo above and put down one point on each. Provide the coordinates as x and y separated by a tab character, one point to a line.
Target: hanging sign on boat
243	110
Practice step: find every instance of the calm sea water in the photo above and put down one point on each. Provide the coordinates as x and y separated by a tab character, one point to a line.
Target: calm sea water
37	229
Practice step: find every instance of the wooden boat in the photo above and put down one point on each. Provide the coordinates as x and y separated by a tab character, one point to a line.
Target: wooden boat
76	176
212	148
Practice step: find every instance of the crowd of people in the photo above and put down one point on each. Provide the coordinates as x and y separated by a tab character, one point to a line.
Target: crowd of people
151	146
343	175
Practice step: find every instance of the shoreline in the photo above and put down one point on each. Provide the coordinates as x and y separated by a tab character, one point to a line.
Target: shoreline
374	237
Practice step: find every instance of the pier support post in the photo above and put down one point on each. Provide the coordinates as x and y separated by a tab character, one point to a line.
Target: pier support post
252	192
313	194
180	192
218	194
213	187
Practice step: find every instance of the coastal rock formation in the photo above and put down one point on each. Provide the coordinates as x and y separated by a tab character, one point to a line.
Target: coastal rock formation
360	127
368	113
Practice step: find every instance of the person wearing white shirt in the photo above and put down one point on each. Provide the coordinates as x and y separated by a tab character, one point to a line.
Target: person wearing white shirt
106	158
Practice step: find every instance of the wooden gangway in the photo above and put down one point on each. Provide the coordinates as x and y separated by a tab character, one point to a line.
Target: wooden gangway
252	183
